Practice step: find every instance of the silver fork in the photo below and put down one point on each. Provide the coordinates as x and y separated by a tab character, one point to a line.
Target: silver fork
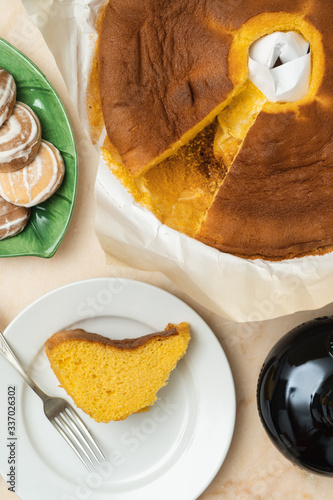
61	415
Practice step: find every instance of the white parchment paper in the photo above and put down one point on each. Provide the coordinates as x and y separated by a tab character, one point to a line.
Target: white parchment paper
288	81
237	289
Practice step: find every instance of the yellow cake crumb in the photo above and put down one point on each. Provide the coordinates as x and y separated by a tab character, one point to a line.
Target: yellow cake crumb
112	379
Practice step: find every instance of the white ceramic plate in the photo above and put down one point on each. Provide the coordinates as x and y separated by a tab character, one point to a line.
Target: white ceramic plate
172	451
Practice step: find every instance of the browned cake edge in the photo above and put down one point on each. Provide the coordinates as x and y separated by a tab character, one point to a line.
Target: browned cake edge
134	343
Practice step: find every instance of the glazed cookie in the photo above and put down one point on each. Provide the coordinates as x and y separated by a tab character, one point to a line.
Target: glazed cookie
35	182
13	219
20	138
7	95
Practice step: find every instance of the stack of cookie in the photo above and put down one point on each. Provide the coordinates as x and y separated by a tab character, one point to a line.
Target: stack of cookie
31	169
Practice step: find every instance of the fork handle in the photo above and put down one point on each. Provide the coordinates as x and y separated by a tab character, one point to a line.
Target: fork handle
8	354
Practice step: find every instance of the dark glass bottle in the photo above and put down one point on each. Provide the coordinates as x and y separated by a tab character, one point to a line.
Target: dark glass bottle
295	395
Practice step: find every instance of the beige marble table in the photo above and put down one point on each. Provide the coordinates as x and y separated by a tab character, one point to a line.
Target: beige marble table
253	469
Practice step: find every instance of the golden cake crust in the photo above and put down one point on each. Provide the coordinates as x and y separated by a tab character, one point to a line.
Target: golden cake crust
158	75
276	200
79	334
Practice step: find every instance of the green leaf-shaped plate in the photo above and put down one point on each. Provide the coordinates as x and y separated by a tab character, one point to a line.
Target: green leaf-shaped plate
49	220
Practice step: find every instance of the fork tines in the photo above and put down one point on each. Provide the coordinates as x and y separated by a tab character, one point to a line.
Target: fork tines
77	435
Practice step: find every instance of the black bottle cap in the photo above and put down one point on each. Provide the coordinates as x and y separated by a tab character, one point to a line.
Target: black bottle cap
295	395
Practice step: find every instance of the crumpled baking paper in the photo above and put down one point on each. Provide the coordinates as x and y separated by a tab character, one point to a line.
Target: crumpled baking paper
237	289
289	81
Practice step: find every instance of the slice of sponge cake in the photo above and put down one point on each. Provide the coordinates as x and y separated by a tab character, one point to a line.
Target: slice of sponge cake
111	379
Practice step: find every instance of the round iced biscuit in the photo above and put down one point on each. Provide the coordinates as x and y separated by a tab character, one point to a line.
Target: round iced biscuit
35	182
13	219
20	138
7	95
